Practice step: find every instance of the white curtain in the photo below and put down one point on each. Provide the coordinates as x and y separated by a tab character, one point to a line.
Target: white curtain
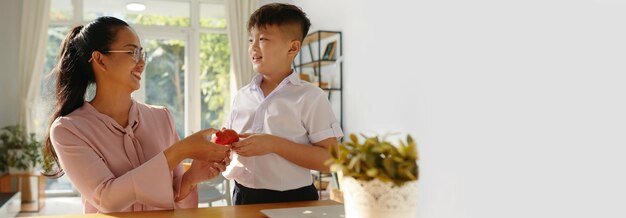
33	34
239	12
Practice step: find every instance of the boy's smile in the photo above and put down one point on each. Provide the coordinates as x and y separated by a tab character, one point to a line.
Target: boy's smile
256	58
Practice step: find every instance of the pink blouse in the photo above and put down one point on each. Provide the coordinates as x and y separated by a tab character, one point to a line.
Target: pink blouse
120	169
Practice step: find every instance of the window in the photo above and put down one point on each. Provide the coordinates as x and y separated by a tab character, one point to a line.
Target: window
156	12
188	58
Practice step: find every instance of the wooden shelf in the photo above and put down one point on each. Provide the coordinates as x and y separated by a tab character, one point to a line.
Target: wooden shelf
324	48
31	207
23	183
318	35
317	63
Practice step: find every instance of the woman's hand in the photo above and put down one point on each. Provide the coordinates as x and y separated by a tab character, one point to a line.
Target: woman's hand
198	172
200	147
197	146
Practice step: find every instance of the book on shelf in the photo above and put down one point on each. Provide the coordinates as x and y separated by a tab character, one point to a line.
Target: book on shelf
329	52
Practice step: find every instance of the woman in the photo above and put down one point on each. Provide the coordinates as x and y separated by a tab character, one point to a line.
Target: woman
121	155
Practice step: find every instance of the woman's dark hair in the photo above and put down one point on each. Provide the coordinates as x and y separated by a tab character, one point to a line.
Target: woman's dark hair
74	73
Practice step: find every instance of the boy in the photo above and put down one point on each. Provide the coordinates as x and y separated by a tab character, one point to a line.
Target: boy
288	125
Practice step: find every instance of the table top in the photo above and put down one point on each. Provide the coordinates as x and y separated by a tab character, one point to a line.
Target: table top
5	197
252	210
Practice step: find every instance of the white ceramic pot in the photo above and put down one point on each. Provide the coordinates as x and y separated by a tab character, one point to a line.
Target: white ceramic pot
376	199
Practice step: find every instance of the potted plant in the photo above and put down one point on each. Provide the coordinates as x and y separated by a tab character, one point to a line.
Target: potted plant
378	179
3	159
23	154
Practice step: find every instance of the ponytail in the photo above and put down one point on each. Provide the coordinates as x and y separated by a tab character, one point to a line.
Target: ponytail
74	74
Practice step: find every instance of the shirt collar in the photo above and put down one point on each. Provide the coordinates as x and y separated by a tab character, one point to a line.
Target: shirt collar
256	81
293	78
133	117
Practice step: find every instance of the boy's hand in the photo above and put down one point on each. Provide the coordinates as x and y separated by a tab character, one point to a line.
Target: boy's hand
255	144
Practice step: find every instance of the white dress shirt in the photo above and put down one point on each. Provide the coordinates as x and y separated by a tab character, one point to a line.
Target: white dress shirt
297	111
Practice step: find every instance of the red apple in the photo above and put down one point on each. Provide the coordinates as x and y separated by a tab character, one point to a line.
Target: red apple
226	137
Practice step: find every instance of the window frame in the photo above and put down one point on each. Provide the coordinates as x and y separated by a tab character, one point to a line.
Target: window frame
191	35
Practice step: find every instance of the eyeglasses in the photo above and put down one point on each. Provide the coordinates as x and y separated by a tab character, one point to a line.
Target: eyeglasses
138	54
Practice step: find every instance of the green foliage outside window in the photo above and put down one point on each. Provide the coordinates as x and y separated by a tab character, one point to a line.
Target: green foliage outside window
214	78
153	20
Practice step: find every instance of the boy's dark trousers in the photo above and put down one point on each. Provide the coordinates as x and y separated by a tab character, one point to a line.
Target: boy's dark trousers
244	195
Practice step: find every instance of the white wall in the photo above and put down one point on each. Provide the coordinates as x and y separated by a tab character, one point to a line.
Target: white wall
10	16
519	107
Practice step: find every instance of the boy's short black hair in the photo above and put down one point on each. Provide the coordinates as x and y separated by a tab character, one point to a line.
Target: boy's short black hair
281	15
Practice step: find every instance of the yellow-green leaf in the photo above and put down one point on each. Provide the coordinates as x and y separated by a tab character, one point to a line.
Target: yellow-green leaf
372	172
